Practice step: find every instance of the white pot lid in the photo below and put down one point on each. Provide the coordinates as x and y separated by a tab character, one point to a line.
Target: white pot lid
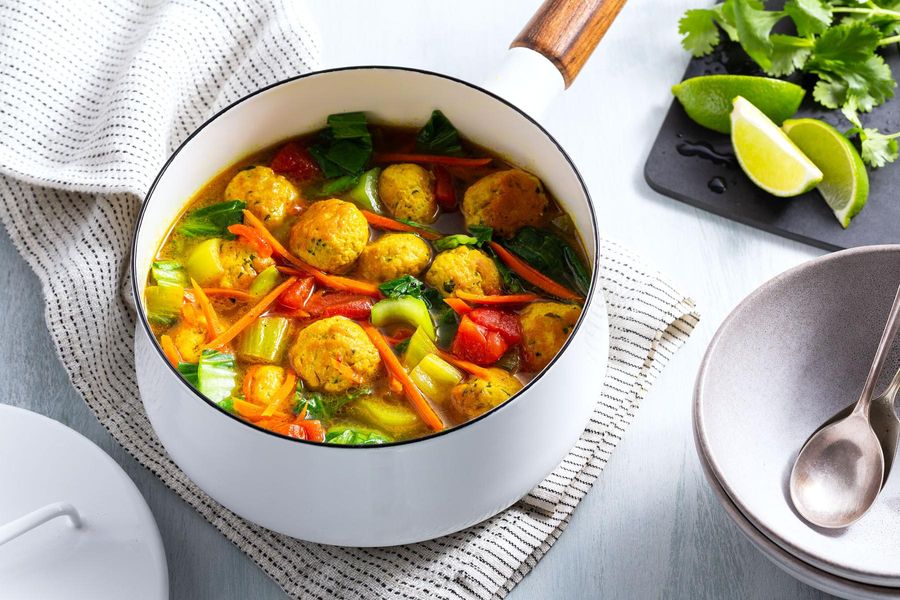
790	356
47	469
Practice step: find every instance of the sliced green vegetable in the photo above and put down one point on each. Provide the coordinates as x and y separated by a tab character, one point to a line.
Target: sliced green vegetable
216	375
213	220
404	309
365	193
447	322
189	372
339	185
265	340
344	147
325	406
169	272
481	234
227	404
391	417
204	264
435	377
164	303
355	436
439	136
265	282
419	346
551	256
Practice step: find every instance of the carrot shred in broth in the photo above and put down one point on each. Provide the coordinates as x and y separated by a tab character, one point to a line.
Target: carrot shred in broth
282	395
382	222
532	275
415	397
214	326
170	350
251	315
468	367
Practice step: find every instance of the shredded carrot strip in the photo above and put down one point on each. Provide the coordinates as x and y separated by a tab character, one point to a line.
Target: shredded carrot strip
497	300
251	315
532	275
332	281
213	325
248	380
227	293
459	306
170	349
248	410
382	222
434	159
468	367
418	401
282	394
189	312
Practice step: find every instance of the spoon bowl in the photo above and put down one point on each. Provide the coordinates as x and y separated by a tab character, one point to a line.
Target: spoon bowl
838	473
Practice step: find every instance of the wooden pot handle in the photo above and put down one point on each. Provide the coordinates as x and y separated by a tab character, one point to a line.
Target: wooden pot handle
567	31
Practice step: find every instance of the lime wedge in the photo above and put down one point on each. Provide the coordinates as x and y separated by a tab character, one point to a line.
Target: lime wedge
707	99
845	186
767	155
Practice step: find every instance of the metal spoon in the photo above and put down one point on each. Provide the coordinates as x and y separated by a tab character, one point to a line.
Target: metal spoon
884	421
839	471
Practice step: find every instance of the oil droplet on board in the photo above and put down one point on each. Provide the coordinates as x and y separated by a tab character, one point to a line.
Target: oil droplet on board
717	185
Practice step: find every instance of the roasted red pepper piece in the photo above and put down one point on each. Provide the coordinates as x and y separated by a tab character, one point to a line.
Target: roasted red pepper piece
297	295
505	323
345	304
296	161
478	344
443	188
313	428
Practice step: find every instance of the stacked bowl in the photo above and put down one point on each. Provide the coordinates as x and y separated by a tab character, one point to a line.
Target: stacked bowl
790	356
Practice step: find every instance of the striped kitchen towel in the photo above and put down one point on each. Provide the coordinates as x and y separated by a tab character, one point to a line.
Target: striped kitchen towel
93	97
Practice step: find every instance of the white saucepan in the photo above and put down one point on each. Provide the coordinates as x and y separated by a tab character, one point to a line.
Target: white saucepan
408	491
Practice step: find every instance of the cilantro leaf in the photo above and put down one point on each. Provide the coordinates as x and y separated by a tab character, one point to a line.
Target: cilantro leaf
699	31
789	53
877	149
811	17
754	24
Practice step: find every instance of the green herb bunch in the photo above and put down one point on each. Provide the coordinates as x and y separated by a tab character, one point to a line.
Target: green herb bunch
837	41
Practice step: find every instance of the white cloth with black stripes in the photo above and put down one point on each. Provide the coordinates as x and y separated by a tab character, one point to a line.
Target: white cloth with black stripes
93	97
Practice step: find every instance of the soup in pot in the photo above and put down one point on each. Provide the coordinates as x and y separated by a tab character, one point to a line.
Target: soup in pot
366	284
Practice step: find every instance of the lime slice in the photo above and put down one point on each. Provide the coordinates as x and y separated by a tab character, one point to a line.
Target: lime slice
707	99
845	186
767	155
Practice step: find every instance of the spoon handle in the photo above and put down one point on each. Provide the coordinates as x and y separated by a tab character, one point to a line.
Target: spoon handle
881	354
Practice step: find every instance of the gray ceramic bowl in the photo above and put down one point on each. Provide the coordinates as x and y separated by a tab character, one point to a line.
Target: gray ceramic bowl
792	354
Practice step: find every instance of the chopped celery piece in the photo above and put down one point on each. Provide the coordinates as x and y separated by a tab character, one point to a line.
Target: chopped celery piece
164	303
216	375
420	345
355	436
204	263
365	192
435	377
405	309
265	340
387	416
265	282
169	272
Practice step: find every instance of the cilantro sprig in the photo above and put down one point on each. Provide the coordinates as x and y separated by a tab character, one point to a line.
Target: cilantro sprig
835	40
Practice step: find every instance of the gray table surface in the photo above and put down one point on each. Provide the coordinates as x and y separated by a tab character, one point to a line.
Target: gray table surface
650	527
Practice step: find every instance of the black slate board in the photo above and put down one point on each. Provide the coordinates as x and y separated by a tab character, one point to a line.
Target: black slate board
805	218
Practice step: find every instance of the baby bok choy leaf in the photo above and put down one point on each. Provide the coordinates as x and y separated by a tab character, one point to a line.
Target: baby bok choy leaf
410	310
344	146
439	136
551	256
346	435
213	220
216	375
169	272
